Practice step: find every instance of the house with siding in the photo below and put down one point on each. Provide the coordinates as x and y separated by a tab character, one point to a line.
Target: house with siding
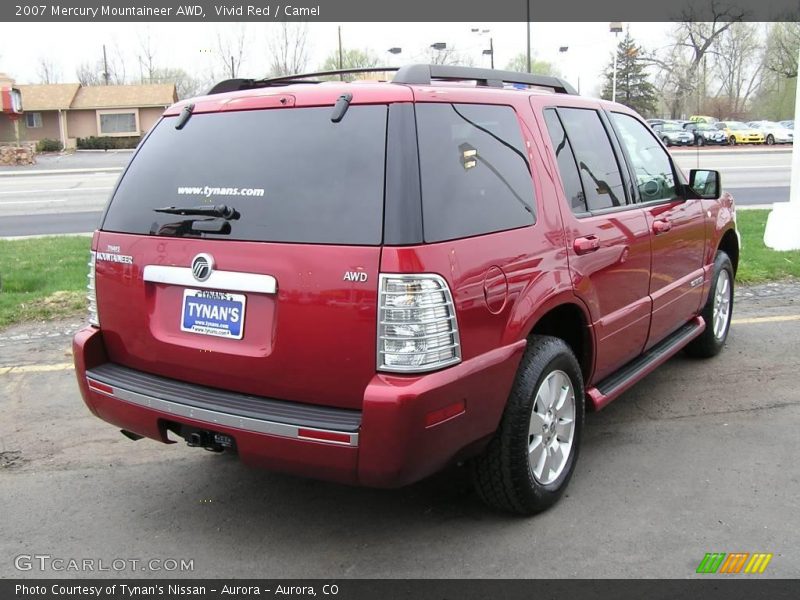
68	111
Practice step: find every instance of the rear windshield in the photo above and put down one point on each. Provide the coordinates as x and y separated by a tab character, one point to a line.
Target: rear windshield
291	174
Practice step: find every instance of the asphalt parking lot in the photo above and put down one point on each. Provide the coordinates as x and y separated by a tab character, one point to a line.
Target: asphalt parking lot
700	457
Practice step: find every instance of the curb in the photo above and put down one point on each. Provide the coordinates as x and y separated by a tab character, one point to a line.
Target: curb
61	171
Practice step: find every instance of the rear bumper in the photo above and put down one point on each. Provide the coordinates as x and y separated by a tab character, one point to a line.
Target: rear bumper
388	444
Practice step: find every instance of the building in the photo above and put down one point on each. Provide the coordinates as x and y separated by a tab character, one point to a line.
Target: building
68	111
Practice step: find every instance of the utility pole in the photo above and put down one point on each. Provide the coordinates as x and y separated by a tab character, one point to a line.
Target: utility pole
491	51
233	74
528	23
105	65
341	76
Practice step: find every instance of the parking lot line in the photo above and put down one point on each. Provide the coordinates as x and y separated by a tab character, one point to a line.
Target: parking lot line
36	368
775	319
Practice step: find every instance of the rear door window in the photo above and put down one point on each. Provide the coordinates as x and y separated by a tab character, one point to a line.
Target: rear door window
474	170
567	167
292	174
595	156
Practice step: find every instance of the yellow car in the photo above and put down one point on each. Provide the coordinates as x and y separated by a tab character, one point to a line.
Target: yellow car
737	132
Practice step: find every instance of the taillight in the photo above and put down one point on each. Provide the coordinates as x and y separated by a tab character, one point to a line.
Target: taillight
91	293
417	326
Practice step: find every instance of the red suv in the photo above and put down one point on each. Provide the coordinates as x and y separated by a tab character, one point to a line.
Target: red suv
364	282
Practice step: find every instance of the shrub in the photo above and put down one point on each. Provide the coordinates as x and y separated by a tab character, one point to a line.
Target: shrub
107	143
48	145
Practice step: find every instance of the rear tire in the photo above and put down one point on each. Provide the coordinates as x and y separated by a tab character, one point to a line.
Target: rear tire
717	312
732	140
770	140
666	141
531	457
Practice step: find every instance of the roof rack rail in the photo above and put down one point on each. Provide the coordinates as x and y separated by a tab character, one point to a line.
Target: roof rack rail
410	75
235	85
425	74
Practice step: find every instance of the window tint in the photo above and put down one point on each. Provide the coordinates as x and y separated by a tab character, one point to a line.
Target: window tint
474	171
292	174
566	162
596	161
651	164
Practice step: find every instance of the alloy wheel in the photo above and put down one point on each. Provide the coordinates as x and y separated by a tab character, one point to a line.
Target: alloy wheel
552	427
722	304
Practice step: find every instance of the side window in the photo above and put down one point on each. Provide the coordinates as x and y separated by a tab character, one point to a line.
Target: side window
597	163
474	170
567	166
651	164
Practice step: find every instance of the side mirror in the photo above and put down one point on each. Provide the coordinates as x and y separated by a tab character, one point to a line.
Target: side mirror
705	184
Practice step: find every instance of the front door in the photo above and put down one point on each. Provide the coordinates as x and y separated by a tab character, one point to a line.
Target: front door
677	229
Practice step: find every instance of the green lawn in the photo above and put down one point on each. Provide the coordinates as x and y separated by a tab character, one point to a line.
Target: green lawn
42	278
758	263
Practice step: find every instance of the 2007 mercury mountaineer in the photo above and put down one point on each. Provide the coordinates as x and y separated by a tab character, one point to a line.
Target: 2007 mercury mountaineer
364	282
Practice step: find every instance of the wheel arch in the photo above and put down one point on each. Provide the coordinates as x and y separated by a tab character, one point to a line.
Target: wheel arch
729	244
568	321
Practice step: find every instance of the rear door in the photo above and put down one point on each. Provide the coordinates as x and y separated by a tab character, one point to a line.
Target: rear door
677	227
608	239
280	299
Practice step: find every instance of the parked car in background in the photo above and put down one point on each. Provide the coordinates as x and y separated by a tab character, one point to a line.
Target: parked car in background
705	133
740	133
774	133
788	124
702	119
655	122
673	134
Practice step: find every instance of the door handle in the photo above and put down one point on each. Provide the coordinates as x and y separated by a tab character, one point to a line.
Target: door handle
661	226
584	245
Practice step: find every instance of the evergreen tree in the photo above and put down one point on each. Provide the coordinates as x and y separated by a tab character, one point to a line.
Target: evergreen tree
634	90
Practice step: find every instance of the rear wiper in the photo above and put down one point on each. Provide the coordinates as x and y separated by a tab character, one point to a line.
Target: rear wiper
220	210
192	227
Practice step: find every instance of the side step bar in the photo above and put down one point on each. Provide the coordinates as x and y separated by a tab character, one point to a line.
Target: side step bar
616	383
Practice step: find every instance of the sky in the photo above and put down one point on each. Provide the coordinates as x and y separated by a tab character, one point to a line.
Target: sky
190	45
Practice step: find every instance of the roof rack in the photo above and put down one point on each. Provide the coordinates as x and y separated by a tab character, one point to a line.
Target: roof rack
425	74
410	75
235	85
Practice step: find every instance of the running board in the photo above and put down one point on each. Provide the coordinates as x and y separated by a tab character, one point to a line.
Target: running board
619	381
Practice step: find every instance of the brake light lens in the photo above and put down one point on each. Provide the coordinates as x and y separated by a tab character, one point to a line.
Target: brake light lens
91	293
417	326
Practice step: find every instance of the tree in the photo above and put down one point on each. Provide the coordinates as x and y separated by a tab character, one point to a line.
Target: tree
231	48
679	77
48	71
739	65
449	55
186	86
538	67
634	90
783	39
288	48
351	59
91	72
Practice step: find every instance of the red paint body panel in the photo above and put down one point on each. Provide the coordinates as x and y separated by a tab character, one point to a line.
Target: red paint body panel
315	318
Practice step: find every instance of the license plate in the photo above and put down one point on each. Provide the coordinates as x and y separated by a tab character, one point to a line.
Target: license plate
213	313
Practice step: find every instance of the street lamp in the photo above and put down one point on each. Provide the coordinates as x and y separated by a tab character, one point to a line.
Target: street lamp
490	51
394	50
615	27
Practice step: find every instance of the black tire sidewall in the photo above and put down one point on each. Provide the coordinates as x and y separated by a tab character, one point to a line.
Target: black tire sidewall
536	370
721	262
